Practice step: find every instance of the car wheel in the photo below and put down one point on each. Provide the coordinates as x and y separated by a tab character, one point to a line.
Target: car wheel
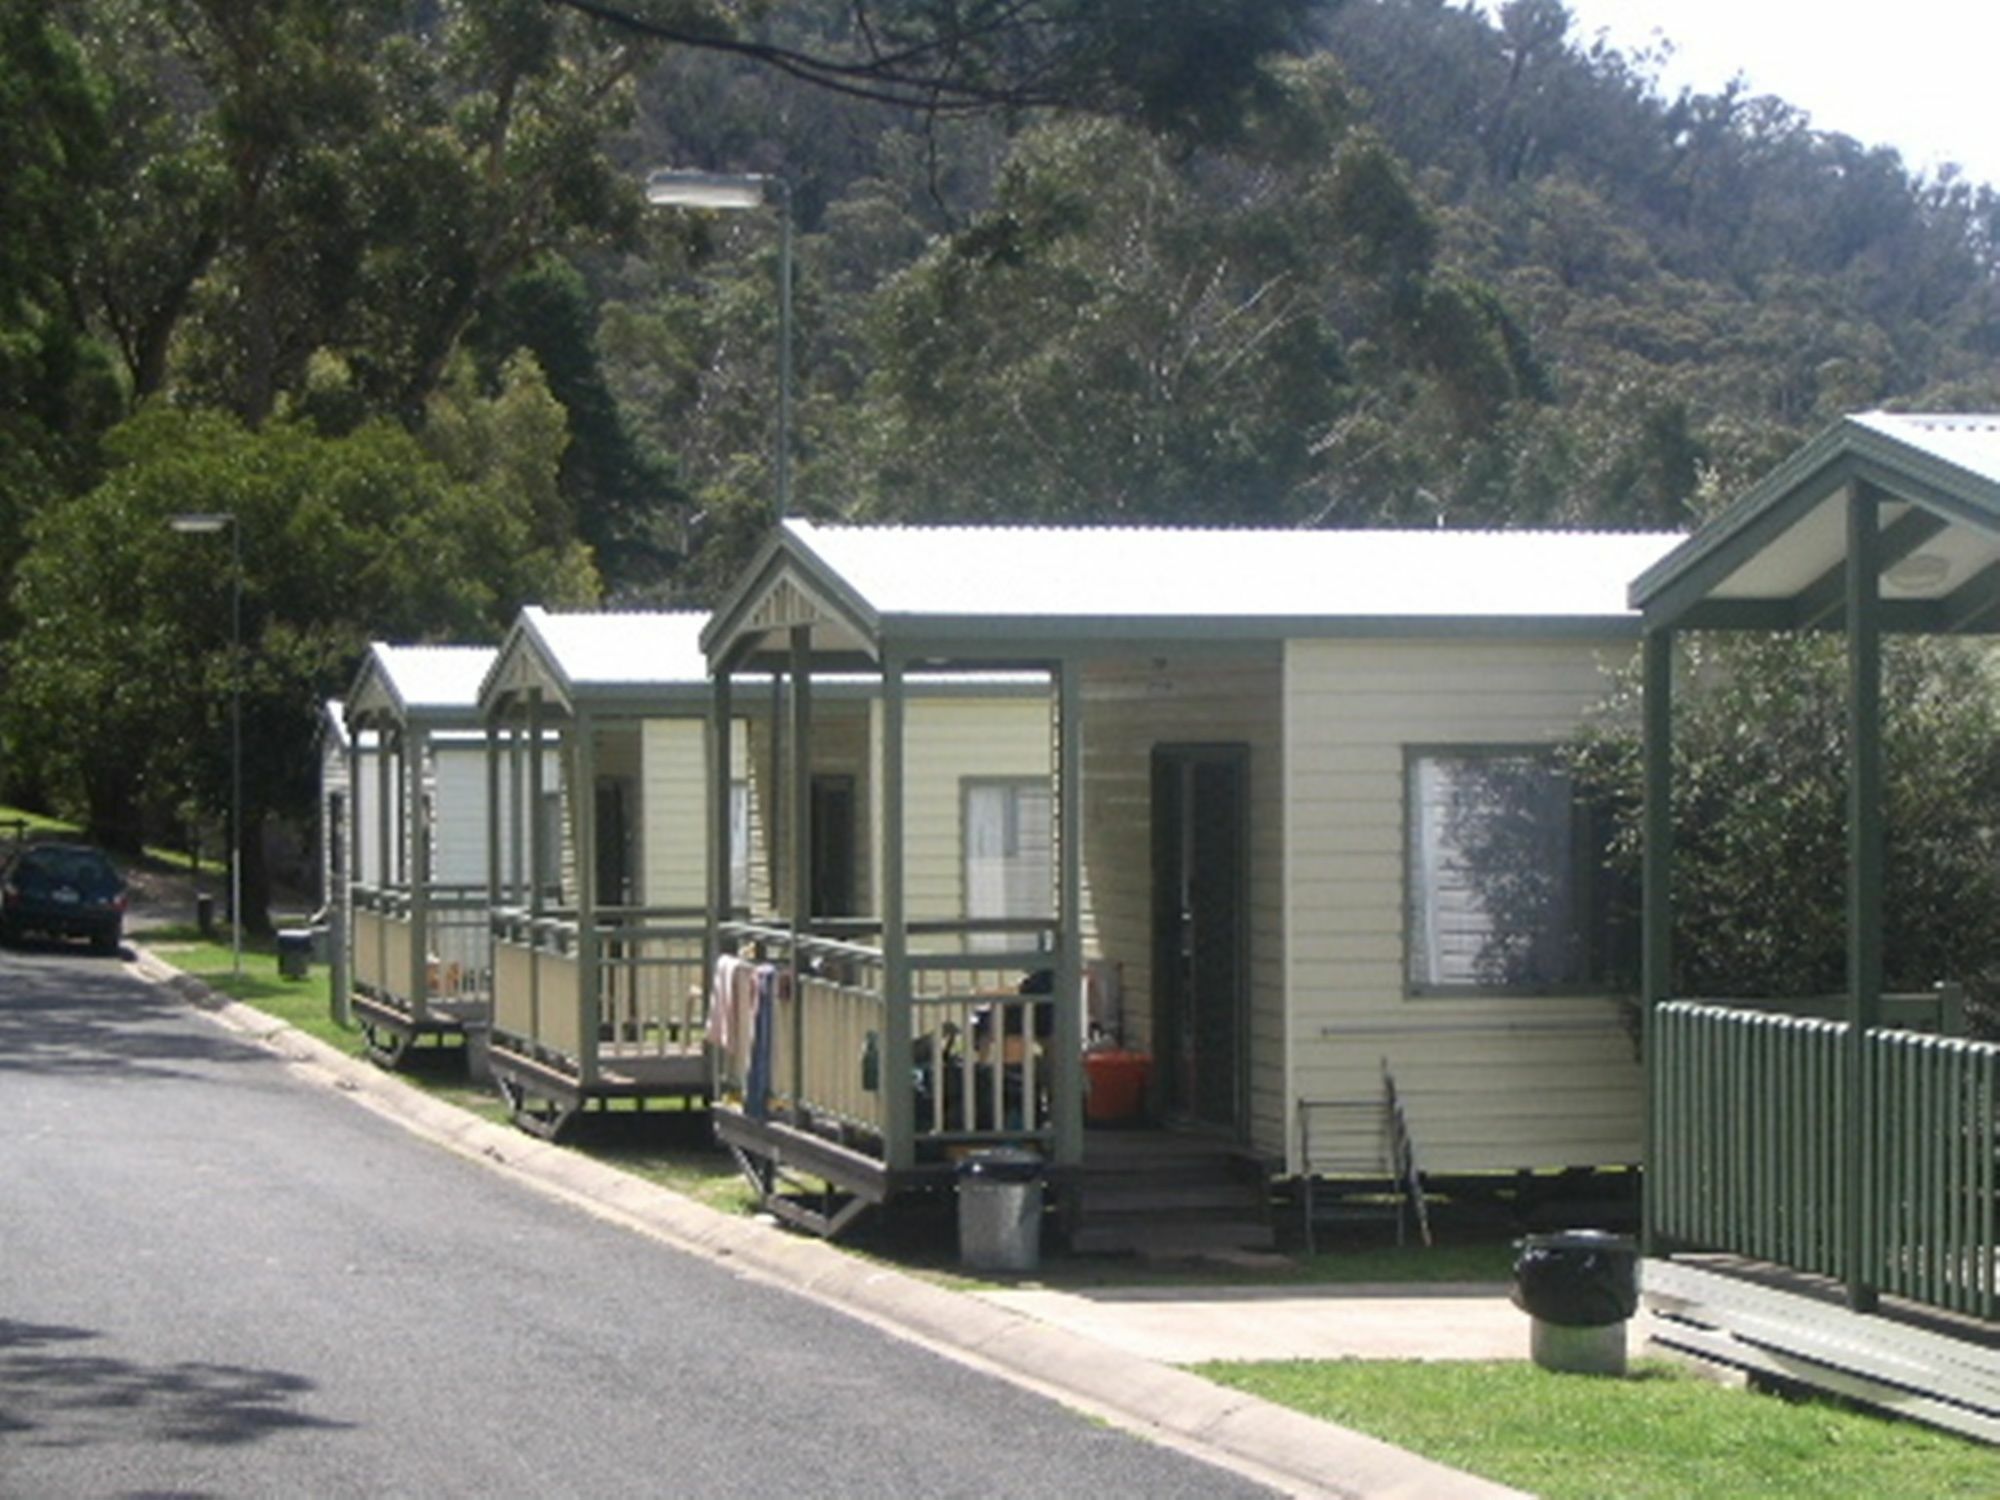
106	939
10	935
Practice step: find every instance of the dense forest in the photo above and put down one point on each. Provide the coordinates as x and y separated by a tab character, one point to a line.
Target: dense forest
377	278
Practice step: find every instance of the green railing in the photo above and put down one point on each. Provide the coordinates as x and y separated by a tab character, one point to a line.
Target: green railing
1760	1144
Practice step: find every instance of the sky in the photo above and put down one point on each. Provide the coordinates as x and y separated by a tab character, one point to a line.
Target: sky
1918	75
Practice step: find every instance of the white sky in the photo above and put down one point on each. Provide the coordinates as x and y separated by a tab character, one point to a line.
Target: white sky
1919	75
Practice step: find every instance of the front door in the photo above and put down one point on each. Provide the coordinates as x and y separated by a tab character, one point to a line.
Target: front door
1201	821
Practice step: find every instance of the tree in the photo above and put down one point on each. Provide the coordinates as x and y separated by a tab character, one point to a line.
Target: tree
122	674
55	389
1190	68
1759	757
318	175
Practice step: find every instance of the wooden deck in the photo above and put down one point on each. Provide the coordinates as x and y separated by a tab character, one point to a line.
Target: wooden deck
545	1095
1916	1362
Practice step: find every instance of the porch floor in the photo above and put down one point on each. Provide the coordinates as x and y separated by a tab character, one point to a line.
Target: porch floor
1921	1362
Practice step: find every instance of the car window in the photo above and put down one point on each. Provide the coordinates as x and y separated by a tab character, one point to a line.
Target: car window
82	867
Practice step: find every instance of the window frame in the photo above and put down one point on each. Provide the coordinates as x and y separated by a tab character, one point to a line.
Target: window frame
968	786
1591	886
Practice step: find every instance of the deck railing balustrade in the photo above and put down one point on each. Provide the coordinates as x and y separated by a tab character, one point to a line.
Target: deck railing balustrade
650	987
456	942
976	1068
1752	1117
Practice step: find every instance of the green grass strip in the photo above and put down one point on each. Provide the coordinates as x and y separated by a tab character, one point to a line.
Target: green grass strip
1663	1434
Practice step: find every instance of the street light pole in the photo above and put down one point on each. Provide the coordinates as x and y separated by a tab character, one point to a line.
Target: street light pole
735	191
204	523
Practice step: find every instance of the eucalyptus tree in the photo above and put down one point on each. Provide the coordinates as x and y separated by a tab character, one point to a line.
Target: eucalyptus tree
123	671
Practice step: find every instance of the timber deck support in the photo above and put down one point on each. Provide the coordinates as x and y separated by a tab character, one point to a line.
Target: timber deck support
392	1033
545	1096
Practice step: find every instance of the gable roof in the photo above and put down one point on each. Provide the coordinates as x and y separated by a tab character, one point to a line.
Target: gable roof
629	659
1777	557
865	587
437	686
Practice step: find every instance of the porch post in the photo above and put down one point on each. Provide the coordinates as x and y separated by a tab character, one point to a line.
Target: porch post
493	823
583	837
517	853
721	856
385	866
416	813
898	1102
536	937
347	846
801	843
1864	874
1656	892
1066	1070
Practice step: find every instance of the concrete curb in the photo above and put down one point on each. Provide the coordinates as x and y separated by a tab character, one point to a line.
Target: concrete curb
1272	1444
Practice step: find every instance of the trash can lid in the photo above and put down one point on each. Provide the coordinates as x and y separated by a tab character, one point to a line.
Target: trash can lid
1002	1165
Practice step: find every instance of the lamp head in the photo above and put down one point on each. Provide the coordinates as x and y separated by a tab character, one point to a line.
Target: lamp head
675	188
201	522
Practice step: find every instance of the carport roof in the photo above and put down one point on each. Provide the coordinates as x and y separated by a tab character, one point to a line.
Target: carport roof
1776	559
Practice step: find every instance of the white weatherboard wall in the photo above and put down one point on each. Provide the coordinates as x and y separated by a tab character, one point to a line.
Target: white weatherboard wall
948	741
458	811
1129	708
1490	1083
675	800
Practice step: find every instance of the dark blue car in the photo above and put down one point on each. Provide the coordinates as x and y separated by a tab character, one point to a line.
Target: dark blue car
63	890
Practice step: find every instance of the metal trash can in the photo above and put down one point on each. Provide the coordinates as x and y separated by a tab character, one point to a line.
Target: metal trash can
1000	1211
294	952
1580	1287
204	914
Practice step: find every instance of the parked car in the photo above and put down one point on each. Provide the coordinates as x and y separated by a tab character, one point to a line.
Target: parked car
63	890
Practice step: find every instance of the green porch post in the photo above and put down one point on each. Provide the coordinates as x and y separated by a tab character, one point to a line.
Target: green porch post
537	775
898	1102
583	836
1657	899
493	816
1066	1074
417	747
347	850
720	855
1864	873
801	844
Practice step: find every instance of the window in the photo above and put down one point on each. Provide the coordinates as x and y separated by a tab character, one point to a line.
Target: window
1008	843
1508	884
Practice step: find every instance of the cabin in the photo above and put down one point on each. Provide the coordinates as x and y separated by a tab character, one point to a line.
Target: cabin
417	953
1320	852
1820	1188
603	919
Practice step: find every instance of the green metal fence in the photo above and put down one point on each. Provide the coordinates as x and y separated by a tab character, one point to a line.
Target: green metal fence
1757	1143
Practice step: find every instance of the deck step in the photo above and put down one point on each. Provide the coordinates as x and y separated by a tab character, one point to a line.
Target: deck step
1161	1193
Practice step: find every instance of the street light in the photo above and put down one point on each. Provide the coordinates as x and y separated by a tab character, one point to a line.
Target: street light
207	523
731	192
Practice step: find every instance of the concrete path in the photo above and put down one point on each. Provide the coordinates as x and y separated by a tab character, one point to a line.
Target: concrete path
1178	1326
1096	1371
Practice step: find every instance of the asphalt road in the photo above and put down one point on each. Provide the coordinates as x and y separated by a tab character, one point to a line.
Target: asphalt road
218	1281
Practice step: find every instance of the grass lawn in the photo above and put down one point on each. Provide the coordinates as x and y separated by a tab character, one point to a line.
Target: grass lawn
1663	1434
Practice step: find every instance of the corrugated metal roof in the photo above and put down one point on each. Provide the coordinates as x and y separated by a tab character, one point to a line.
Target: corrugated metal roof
623	648
1109	573
1970	442
434	677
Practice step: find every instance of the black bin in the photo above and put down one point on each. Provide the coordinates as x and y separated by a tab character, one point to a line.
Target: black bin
1580	1287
